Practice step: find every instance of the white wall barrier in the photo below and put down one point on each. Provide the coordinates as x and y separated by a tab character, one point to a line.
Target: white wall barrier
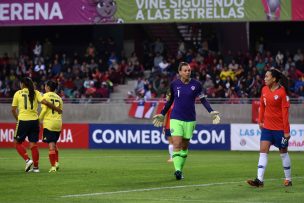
246	137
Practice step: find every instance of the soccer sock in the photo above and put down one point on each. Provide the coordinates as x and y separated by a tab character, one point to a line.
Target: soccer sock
262	165
22	151
177	161
35	155
170	149
286	165
184	154
57	155
52	157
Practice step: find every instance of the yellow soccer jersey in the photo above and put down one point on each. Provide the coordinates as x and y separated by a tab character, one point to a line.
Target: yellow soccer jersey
52	120
26	110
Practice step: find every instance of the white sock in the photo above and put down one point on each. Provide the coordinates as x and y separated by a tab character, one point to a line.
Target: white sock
262	165
286	165
170	149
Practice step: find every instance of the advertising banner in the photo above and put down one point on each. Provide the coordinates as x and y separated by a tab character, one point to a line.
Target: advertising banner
67	12
72	136
246	137
125	136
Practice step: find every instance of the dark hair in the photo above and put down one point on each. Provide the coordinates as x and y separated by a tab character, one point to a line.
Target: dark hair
181	64
52	85
280	78
30	86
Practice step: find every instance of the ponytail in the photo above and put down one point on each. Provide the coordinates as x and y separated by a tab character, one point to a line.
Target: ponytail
280	78
30	86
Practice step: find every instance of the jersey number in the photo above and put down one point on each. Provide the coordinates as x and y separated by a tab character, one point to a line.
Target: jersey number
25	101
54	101
177	93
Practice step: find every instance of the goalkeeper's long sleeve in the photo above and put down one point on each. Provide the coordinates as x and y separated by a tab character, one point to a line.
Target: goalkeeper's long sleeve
206	104
168	103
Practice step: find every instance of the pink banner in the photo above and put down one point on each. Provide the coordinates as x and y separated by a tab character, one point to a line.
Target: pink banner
46	12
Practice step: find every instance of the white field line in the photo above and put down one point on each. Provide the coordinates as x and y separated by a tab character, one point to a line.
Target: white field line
159	188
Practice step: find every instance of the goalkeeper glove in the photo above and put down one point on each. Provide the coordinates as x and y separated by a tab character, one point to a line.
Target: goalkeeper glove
215	117
158	120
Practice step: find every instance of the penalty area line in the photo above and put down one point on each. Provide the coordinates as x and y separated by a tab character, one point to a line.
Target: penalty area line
147	189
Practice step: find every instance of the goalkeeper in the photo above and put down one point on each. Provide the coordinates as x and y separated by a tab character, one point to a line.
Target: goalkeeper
184	92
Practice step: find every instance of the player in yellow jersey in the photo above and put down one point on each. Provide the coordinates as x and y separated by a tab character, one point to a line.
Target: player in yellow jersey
25	111
52	123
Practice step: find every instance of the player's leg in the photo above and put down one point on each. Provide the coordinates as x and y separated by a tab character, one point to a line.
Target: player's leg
188	133
286	166
19	137
57	157
170	144
286	163
177	133
52	156
265	143
33	139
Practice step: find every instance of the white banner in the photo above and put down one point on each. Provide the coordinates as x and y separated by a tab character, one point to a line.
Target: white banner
246	137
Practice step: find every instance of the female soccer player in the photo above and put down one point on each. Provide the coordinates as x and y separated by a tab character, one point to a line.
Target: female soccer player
274	123
52	123
166	128
184	91
24	109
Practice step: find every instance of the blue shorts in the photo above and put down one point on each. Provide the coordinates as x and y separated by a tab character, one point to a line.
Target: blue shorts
274	137
168	132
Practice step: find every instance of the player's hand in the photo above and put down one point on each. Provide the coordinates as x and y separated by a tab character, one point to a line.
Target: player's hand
158	120
58	110
215	117
285	140
261	125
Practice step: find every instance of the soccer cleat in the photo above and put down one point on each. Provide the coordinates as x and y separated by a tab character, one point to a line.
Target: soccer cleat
255	183
57	166
170	160
287	183
28	165
53	169
34	170
178	175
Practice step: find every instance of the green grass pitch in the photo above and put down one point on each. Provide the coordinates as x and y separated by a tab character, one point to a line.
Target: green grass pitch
145	176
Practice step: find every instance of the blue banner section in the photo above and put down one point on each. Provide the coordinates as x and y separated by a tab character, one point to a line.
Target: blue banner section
129	136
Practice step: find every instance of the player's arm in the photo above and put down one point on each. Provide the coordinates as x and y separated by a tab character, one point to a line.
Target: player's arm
42	113
214	114
14	112
261	111
15	106
285	115
48	104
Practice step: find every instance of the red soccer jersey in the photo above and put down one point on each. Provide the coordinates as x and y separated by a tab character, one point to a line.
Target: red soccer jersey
274	106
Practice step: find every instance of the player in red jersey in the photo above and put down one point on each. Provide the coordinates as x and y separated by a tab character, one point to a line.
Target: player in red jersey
166	128
274	124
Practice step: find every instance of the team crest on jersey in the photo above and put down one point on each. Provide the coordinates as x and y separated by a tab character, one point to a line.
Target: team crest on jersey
193	88
276	97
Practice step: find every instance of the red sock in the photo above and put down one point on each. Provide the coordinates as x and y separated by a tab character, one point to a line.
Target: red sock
21	151
56	155
52	157
35	155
